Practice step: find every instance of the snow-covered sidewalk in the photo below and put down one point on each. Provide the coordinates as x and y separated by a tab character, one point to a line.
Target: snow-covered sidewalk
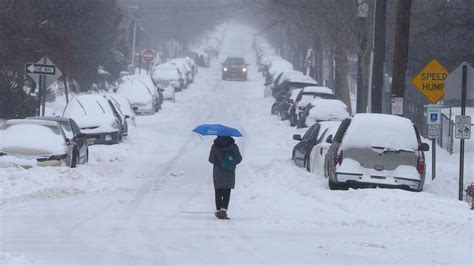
149	201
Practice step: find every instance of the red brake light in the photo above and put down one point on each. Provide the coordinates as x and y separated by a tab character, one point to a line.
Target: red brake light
420	167
338	157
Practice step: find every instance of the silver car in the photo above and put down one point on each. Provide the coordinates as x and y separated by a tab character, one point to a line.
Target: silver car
376	150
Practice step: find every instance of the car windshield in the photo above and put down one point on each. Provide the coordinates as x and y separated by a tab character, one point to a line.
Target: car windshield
162	83
234	61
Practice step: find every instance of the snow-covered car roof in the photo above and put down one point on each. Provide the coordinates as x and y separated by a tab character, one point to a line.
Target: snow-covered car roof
166	71
302	79
91	110
32	137
135	89
380	130
318	89
328	109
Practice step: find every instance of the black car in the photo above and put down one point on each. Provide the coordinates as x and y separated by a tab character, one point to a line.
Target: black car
234	68
302	150
73	133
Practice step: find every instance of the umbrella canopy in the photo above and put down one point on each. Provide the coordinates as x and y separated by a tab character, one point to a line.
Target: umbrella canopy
217	130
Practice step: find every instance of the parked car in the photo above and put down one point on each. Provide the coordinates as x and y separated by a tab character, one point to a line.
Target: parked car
125	106
312	137
306	95
96	118
167	89
318	152
73	134
184	67
322	110
28	143
234	68
376	150
141	92
168	72
118	111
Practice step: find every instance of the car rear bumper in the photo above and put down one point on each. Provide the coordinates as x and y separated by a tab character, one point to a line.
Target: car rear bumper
365	180
106	138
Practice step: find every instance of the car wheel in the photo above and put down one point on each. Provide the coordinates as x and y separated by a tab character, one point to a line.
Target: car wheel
332	185
293	155
274	109
87	156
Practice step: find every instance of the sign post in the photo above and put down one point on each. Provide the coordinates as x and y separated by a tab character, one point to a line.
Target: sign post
148	56
430	82
44	73
433	120
462	76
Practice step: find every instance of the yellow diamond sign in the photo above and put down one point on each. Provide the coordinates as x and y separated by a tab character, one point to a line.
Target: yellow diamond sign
430	81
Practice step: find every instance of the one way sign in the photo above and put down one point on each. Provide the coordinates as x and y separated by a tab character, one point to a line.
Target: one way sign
40	69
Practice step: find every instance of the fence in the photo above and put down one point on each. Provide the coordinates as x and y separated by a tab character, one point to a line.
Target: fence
446	139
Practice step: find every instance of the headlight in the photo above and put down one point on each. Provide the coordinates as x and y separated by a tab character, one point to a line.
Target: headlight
244	69
225	69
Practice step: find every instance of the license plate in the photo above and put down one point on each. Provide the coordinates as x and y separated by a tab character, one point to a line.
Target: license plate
90	141
378	177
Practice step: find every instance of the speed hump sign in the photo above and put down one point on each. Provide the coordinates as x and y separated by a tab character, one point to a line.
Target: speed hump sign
430	81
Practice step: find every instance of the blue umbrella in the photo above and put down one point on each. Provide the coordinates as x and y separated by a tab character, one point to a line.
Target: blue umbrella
217	130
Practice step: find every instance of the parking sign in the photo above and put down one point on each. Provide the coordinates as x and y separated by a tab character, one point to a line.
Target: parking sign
433	114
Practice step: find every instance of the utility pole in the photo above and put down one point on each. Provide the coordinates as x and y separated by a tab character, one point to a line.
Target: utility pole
362	14
133	42
400	55
379	55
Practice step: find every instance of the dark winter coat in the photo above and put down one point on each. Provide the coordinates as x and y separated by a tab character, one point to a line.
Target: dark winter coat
223	178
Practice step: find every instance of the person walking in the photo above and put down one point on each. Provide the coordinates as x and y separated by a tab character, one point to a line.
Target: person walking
225	156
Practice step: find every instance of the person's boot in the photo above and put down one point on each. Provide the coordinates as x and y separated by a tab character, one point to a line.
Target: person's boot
223	214
218	214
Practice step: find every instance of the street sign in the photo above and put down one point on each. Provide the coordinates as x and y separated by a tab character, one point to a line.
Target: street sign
430	81
51	77
148	55
433	114
434	131
397	105
31	68
463	127
454	84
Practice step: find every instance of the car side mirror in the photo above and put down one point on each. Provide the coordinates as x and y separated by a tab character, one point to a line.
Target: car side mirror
68	141
297	137
329	139
80	135
424	147
127	116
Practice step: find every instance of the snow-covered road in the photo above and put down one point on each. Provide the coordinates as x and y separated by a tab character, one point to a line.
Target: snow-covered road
150	200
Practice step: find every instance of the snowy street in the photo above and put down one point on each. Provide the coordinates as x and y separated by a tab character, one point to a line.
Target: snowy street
150	200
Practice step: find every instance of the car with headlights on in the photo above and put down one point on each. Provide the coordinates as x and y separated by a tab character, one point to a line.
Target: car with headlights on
96	118
234	68
28	143
376	150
